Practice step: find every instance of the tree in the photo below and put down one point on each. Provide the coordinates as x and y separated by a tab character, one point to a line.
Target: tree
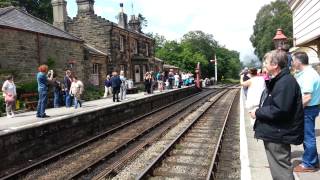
41	9
142	20
271	17
197	46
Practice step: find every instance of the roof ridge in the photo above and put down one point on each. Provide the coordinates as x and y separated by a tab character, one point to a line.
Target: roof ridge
30	15
7	9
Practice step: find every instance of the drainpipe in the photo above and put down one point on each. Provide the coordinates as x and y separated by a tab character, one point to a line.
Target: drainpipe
38	44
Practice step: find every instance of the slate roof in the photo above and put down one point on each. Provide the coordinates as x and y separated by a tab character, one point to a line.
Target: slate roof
16	18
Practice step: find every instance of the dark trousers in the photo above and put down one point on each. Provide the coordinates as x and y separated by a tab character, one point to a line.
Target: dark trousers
116	91
279	156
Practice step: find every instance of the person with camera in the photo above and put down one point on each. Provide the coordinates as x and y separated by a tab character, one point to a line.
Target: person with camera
10	94
42	80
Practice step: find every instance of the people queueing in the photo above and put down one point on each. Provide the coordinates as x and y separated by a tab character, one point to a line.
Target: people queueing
10	95
123	87
42	80
279	118
67	80
76	90
256	86
57	91
147	82
309	82
116	84
107	87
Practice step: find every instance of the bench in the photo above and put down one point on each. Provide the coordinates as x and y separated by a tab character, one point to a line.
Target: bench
132	90
30	100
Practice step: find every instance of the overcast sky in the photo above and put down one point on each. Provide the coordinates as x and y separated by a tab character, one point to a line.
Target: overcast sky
229	21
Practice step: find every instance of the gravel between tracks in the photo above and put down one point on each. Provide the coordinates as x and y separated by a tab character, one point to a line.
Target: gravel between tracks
139	164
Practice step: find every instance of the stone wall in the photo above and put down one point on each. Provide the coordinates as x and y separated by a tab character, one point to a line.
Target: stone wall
22	52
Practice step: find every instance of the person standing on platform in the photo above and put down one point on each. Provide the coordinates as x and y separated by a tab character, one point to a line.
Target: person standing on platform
309	82
42	80
76	90
255	86
279	118
123	87
107	87
10	94
56	91
67	80
116	84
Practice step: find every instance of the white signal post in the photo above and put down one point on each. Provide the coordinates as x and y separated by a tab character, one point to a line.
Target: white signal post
215	68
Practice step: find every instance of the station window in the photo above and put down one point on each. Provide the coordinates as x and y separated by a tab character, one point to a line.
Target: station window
147	49
95	69
135	46
121	43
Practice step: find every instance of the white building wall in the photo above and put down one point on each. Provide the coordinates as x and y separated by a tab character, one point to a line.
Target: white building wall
306	20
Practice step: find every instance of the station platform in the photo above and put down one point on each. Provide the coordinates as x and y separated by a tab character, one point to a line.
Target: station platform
254	163
29	119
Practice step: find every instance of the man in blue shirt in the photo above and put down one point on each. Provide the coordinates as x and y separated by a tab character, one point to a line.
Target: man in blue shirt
309	82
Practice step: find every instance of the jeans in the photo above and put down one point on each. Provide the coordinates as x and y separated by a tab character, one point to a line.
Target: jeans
116	91
310	155
68	99
123	92
42	103
76	102
56	99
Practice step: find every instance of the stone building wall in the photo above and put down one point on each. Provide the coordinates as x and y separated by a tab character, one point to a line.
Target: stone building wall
93	29
23	51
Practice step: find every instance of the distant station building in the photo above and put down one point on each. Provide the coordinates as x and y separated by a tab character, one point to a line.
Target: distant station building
26	42
306	29
89	45
126	47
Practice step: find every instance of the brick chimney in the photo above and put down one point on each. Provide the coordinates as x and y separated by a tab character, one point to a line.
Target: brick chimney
135	23
60	14
122	18
85	6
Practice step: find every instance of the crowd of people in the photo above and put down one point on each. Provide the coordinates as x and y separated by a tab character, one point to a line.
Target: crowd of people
284	101
69	91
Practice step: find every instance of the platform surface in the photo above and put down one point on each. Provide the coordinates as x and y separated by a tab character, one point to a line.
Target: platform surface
254	163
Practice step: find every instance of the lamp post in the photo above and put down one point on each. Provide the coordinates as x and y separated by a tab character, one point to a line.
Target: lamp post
215	61
279	40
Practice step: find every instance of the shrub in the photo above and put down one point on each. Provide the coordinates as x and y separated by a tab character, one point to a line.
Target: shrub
92	93
2	105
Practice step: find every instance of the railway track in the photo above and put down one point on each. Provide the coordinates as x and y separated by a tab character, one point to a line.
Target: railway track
194	153
87	156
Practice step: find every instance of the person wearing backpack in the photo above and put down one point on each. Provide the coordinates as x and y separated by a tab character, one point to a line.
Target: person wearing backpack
10	94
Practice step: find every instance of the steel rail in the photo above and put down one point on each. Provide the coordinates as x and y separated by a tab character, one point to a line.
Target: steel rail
84	143
95	163
155	162
215	158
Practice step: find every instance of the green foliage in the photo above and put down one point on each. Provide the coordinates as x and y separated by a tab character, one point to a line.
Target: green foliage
41	9
92	93
197	46
28	87
271	17
51	63
2	105
143	20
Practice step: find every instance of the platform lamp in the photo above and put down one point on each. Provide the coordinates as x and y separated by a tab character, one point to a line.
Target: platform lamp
279	40
215	62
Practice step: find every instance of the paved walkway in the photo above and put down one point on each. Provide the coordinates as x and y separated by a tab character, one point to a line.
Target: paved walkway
254	163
